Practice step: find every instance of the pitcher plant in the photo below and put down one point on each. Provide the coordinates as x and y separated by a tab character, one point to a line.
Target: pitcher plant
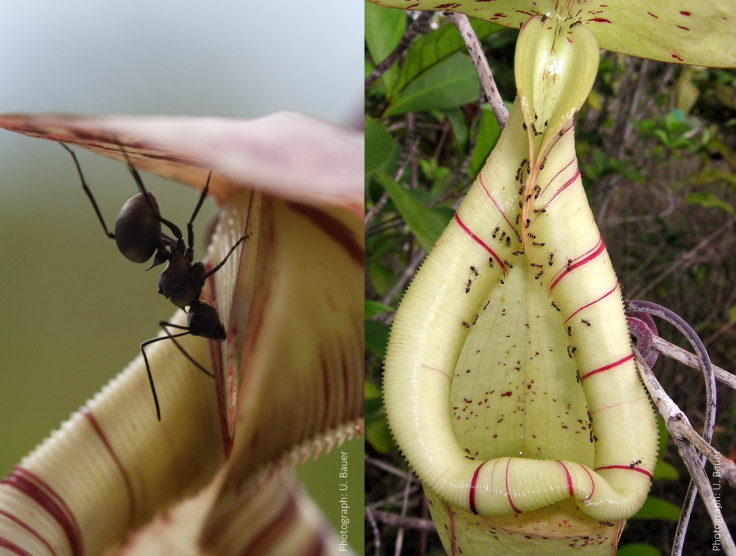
510	382
214	475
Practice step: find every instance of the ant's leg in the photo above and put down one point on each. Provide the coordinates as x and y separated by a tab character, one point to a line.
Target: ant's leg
190	225
142	188
171	336
150	376
88	191
214	269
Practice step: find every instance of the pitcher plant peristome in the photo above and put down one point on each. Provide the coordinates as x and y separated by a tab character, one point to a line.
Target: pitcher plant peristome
510	383
294	185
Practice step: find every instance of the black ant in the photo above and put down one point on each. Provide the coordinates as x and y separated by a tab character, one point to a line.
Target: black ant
138	236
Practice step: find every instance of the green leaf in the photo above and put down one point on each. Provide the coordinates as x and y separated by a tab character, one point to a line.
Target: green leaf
373	308
429	50
459	126
380	146
381	277
373	400
434	173
488	135
426	224
437	45
371	391
594	100
686	93
378	436
710	175
708	200
376	429
376	337
637	549
449	83
665	472
383	31
656	508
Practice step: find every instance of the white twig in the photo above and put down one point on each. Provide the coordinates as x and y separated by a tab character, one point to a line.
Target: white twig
687	440
481	66
396	520
686	358
404	509
647	307
374	528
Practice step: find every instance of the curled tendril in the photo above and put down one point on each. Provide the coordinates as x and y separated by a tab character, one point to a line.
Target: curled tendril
641	329
635	309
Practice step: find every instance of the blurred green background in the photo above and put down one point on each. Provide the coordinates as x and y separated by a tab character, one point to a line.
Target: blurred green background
74	310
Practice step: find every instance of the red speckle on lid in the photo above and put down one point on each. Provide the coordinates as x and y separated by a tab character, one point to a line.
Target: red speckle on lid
656	16
676	57
600	20
683	28
685	13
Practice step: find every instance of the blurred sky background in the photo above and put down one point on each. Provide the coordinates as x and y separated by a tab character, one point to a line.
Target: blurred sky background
74	310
